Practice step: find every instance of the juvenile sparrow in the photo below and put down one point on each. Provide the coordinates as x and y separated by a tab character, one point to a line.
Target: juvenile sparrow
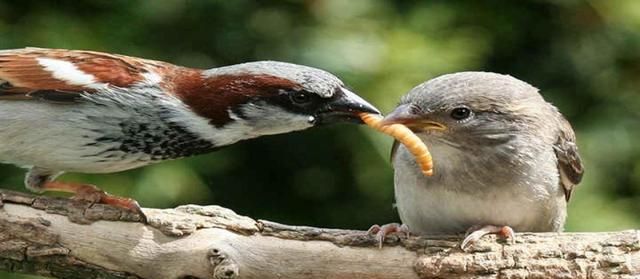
504	158
92	112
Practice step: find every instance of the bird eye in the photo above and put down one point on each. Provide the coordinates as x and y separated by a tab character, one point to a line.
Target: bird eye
460	113
300	98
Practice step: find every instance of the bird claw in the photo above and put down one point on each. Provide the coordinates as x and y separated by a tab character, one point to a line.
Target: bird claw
381	232
476	232
95	195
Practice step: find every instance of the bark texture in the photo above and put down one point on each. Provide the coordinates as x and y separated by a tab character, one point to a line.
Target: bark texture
64	238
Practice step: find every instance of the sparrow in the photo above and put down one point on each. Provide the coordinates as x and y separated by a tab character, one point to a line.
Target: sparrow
93	112
504	159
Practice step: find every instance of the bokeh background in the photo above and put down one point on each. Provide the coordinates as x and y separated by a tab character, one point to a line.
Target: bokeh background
583	55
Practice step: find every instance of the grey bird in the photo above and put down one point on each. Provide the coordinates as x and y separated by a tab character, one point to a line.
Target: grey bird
504	158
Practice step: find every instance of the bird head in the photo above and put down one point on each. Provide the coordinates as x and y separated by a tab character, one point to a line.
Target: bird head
267	97
470	109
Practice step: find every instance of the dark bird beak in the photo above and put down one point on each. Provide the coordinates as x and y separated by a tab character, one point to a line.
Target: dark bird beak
345	106
416	122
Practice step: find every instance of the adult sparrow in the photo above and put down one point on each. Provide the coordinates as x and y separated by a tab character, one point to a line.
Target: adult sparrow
93	112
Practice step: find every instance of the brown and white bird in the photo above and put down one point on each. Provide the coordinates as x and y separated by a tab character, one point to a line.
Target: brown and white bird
504	158
93	112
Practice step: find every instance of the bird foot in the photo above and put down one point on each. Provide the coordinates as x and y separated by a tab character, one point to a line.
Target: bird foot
476	232
381	232
93	194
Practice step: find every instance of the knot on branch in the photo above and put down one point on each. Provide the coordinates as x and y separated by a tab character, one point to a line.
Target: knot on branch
222	267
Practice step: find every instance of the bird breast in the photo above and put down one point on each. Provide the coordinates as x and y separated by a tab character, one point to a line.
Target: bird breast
106	132
478	188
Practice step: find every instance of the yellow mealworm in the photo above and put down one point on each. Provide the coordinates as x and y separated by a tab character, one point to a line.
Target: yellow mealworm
405	136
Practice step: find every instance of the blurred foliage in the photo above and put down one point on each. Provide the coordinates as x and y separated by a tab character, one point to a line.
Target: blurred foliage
584	55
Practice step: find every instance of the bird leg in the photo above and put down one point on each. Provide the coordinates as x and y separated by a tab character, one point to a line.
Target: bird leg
476	232
94	194
382	231
40	180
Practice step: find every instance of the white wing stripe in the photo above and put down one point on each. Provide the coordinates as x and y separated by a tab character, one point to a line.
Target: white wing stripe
66	71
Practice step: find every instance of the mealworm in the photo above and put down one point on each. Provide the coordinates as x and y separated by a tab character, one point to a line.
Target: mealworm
405	136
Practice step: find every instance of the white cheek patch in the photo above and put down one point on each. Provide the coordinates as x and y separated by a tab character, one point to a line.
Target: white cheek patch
270	120
66	71
254	121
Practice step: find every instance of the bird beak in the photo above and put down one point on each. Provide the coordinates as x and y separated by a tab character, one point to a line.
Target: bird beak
345	106
403	115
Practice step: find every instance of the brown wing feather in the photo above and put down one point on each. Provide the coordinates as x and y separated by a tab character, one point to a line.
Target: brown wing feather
22	73
569	162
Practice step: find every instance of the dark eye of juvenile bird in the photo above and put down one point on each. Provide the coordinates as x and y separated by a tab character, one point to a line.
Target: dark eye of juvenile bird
300	98
460	113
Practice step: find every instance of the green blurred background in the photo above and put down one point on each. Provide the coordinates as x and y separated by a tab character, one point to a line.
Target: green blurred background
584	55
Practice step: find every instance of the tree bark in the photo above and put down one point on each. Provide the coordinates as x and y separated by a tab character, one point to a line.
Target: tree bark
64	238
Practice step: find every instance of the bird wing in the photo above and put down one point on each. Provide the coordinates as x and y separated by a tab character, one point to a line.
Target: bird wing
62	75
569	163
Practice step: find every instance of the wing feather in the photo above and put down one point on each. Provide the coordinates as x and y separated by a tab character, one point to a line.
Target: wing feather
36	73
570	164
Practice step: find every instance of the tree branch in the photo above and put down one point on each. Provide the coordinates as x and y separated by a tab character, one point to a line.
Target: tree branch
64	238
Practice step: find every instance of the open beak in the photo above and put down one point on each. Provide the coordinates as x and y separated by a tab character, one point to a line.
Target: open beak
417	123
345	107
